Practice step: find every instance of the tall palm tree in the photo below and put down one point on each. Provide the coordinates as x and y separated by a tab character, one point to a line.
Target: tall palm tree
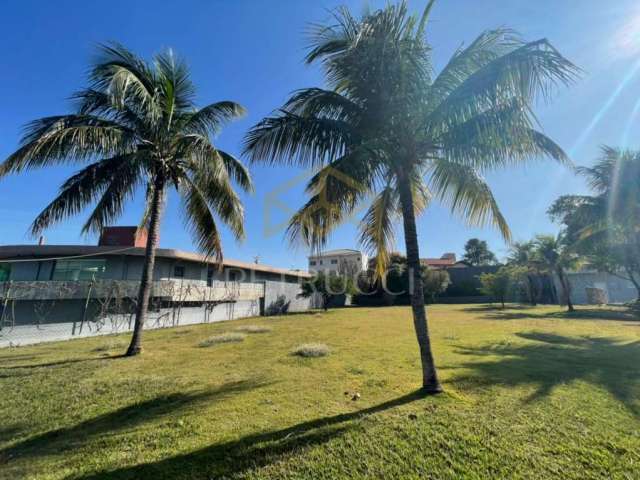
553	255
136	125
386	126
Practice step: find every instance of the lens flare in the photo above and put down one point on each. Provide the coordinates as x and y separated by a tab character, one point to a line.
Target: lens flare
626	41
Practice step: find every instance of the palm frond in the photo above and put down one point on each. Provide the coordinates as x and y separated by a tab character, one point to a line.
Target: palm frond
528	72
487	47
210	119
467	194
68	139
236	170
126	77
120	189
377	227
295	140
82	189
200	221
498	137
216	189
174	81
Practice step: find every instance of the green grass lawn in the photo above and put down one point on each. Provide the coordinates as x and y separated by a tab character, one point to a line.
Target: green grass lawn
530	394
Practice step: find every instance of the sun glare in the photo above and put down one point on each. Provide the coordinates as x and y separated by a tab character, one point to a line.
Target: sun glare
627	39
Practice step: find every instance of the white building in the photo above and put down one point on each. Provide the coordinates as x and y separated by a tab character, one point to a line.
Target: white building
344	261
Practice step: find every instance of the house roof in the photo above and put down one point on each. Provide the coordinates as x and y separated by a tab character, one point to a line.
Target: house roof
52	251
438	262
340	251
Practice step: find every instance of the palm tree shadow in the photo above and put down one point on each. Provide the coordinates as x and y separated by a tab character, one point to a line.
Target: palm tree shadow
511	312
549	360
232	458
111	423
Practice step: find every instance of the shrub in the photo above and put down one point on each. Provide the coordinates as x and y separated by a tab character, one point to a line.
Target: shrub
253	329
223	338
311	350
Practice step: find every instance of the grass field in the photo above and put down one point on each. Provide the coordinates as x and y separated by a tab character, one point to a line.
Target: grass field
530	394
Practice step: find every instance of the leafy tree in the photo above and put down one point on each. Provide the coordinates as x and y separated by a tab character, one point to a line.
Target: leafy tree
385	125
435	282
499	284
327	286
136	125
477	253
395	284
554	256
605	227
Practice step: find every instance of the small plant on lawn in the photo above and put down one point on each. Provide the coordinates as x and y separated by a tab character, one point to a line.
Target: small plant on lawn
253	329
311	350
223	338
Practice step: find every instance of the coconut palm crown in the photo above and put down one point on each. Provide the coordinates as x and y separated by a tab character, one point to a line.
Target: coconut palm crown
390	134
137	126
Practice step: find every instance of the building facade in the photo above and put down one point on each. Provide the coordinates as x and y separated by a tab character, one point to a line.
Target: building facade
344	261
51	292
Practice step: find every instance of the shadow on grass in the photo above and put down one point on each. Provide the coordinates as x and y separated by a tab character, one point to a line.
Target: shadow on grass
513	312
59	363
231	459
110	423
549	360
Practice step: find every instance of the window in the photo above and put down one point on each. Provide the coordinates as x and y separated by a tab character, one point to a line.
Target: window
78	270
320	262
312	263
210	277
334	262
5	271
234	275
178	271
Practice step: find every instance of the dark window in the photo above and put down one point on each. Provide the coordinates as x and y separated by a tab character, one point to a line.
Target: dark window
209	277
78	269
312	263
234	275
320	262
178	271
5	271
334	262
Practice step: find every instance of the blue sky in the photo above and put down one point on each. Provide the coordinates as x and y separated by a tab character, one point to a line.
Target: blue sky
251	52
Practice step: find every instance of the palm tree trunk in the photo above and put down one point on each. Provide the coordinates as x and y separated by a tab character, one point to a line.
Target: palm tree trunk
566	288
532	290
633	280
135	347
430	383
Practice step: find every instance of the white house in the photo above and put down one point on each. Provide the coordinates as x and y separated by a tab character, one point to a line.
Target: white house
343	261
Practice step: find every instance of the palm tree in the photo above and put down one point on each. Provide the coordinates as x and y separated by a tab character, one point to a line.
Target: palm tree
522	255
384	126
604	227
137	126
554	256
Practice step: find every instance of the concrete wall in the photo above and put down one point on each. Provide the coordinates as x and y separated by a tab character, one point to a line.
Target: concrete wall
52	329
281	297
618	290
